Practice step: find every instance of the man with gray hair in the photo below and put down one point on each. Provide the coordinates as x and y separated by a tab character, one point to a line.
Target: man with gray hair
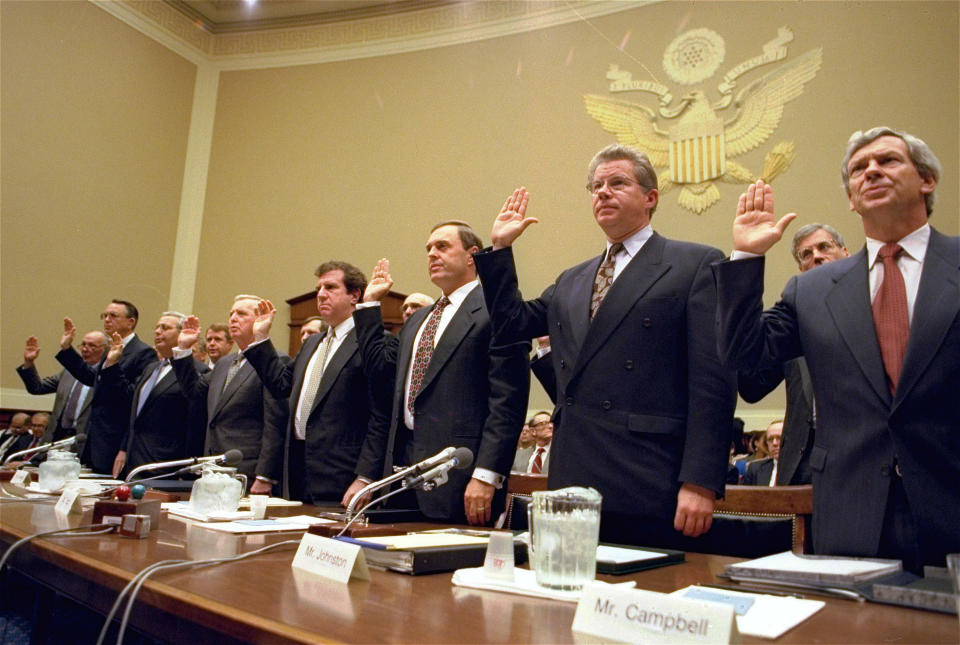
813	245
880	335
71	406
241	412
644	408
163	424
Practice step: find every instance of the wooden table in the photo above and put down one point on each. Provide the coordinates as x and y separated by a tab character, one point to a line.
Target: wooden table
262	599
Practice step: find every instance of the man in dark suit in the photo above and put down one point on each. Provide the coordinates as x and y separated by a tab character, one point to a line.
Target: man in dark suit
330	408
26	436
813	245
71	406
163	424
241	412
19	424
452	387
644	409
109	414
765	472
880	335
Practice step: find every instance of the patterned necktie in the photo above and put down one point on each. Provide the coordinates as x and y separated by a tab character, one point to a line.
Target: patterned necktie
308	393
537	467
891	319
425	351
232	371
149	385
601	284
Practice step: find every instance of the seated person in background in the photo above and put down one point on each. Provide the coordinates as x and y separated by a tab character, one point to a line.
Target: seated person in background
763	472
524	448
19	424
413	302
542	426
30	437
312	325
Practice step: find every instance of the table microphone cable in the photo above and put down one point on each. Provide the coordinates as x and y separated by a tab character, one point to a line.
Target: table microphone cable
133	587
76	531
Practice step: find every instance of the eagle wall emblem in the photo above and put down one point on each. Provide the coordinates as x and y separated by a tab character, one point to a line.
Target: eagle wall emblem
689	142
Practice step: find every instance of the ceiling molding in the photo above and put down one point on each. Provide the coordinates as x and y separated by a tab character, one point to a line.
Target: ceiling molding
422	29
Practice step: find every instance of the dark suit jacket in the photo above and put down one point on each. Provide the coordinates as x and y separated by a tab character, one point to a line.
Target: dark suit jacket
110	409
244	416
542	368
61	383
798	427
758	472
643	404
169	426
342	412
825	315
473	395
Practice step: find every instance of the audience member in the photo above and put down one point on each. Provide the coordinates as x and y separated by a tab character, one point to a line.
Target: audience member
525	446
241	413
413	302
109	417
219	342
879	334
330	409
312	325
542	427
19	425
452	386
644	406
763	472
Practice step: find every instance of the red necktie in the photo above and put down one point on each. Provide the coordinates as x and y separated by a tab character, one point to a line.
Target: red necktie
891	319
425	350
537	466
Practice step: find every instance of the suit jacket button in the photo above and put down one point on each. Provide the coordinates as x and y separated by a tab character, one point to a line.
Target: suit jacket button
885	470
569	400
646	322
563	363
606	405
628	365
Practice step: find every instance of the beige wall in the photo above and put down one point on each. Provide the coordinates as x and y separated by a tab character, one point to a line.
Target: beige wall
95	119
355	160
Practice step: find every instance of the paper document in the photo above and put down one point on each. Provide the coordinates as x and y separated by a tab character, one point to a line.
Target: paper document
618	556
763	615
423	540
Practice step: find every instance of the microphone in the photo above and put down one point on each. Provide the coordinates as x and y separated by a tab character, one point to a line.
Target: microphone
45	447
415	470
461	458
229	458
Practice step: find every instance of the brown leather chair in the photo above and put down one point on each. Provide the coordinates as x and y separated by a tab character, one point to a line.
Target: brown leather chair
520	487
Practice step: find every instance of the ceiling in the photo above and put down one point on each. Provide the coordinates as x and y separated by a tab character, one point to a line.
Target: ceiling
224	16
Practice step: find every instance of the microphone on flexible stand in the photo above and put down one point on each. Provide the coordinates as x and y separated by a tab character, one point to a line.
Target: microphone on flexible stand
45	447
229	458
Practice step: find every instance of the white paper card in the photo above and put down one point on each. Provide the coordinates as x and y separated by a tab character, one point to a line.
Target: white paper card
768	616
69	502
614	615
333	559
20	477
618	555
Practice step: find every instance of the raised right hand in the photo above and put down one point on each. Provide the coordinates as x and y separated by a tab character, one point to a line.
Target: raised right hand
69	331
380	282
512	219
261	326
31	351
115	351
189	333
754	228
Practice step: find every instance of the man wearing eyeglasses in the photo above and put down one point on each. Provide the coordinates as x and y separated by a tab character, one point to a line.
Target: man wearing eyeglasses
644	409
109	414
813	245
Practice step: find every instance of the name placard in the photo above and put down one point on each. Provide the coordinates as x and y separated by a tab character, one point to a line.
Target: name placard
615	615
331	559
20	478
69	502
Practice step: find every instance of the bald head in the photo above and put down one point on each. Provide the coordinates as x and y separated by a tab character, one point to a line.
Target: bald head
93	345
413	302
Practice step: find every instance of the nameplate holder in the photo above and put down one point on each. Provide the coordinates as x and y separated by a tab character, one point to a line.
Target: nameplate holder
331	559
68	503
20	478
609	614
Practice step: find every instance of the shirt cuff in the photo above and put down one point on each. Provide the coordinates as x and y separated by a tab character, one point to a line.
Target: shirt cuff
542	351
179	352
489	477
744	255
256	342
367	305
272	482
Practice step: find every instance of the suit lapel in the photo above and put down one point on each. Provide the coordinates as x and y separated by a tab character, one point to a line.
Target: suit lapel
849	306
936	307
575	311
336	363
644	270
215	387
458	328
